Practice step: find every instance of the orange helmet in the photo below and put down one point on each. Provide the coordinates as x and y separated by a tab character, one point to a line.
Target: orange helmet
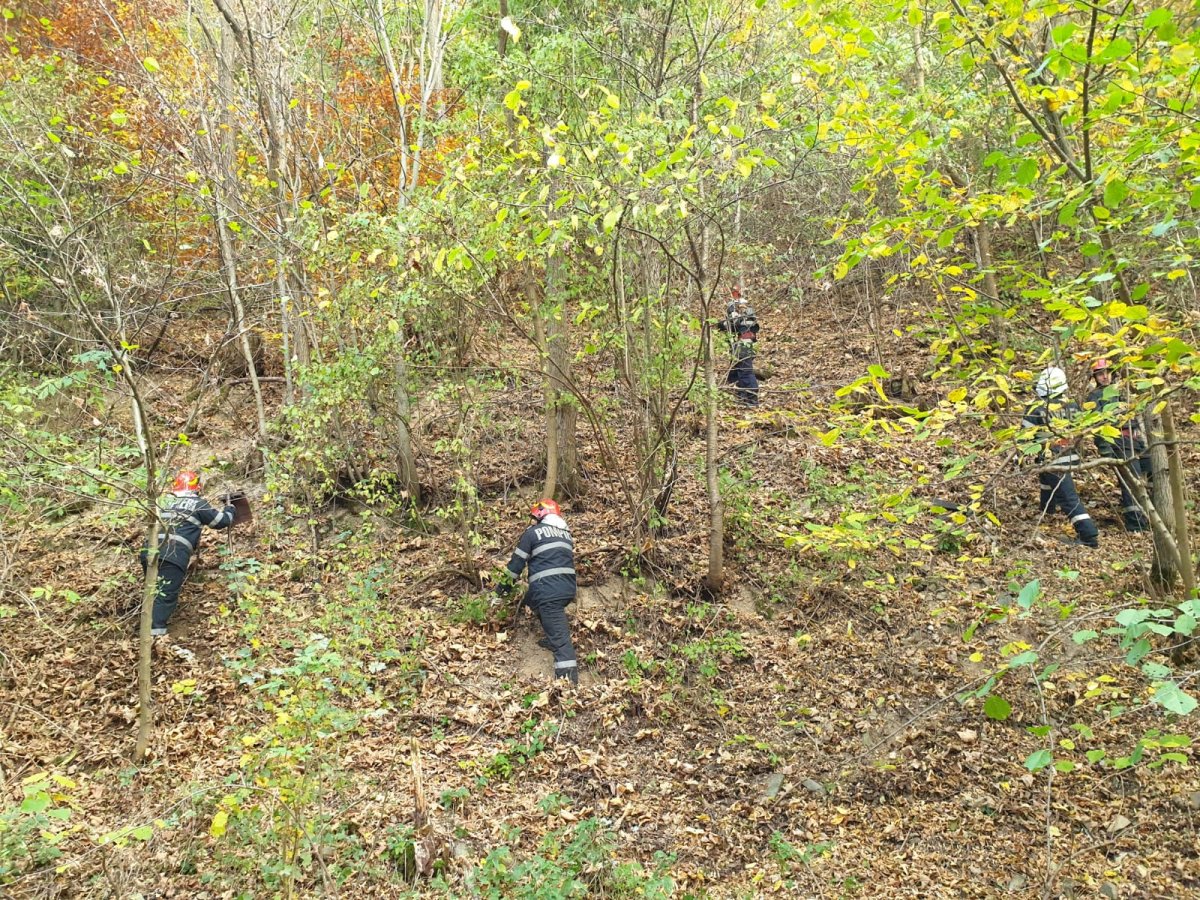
544	507
186	480
1101	365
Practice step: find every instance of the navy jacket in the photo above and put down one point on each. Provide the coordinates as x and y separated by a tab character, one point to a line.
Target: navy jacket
1052	418
1108	401
547	548
184	518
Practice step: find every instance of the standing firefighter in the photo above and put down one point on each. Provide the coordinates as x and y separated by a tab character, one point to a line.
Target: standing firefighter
1130	444
1051	415
183	519
547	548
741	324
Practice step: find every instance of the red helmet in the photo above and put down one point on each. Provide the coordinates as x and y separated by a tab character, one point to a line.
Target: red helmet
1101	365
544	507
186	480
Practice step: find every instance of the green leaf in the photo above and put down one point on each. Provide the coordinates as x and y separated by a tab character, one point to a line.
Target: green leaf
1094	756
1039	760
1171	698
1023	659
1062	33
1129	617
1064	766
1082	637
142	833
1114	192
36	803
1029	594
1028	172
119	117
877	371
1155	670
1157	17
611	218
1117	49
996	707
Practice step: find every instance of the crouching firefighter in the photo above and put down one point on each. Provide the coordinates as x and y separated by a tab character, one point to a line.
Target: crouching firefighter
185	516
1130	445
741	324
1051	415
547	548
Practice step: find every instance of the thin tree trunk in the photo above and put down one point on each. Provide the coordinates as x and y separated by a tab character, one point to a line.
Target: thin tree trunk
226	177
1183	542
983	247
406	463
716	505
389	62
533	298
1165	571
558	347
431	76
145	640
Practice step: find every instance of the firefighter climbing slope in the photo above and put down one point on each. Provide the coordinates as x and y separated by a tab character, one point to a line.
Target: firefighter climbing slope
1130	444
549	551
1051	415
184	518
742	326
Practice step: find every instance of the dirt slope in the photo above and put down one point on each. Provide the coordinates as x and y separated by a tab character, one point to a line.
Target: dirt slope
799	735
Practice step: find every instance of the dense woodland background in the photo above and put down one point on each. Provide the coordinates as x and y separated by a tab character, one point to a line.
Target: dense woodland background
396	269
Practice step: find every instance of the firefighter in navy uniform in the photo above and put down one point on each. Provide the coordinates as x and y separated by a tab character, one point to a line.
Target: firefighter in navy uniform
741	324
1051	415
185	516
547	548
1131	445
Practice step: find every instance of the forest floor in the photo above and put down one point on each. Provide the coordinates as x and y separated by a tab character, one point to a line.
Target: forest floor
800	734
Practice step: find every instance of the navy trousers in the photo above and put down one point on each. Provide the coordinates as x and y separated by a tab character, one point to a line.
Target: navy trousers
1058	489
1132	513
170	583
553	616
741	374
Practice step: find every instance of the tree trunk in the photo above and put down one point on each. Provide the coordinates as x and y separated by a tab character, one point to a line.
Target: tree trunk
1183	542
223	187
145	721
389	63
432	48
716	505
406	463
983	248
558	347
1165	572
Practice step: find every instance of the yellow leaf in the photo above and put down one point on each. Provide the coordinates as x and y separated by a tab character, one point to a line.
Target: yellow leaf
818	44
1176	273
770	122
976	657
958	395
219	823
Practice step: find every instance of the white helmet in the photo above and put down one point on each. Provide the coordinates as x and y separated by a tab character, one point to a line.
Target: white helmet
1051	383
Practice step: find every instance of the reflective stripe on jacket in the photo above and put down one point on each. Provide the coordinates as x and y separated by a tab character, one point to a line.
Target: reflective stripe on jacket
185	517
549	551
